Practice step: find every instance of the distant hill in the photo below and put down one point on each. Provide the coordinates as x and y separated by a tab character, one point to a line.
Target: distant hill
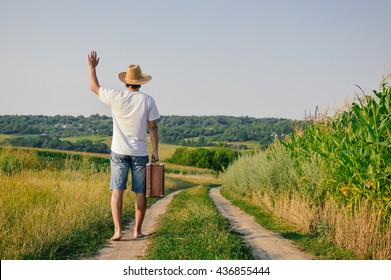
180	130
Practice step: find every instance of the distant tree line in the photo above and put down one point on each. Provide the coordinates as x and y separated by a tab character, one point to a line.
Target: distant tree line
61	126
53	142
209	130
197	131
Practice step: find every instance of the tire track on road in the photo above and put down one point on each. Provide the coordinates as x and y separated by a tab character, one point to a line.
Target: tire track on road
264	244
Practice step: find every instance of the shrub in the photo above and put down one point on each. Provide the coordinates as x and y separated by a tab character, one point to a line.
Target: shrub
217	159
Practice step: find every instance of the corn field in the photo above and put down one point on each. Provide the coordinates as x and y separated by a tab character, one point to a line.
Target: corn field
356	146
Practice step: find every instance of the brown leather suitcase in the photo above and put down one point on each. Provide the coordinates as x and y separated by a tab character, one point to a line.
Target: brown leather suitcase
155	180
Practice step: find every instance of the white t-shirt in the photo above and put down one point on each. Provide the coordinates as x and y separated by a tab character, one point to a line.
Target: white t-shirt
131	112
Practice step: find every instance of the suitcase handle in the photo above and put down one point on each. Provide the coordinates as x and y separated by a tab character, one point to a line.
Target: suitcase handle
153	159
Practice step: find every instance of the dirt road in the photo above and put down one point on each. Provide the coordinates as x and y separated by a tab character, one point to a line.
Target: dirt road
265	245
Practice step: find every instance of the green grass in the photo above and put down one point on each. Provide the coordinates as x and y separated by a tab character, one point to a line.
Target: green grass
316	245
193	229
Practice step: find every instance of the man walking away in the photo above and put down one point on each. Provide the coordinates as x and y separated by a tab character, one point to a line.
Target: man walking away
133	112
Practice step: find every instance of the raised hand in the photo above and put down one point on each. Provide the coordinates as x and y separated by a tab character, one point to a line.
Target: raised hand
93	59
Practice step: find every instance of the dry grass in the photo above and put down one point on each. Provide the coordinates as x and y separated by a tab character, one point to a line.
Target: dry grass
3	137
360	231
165	150
44	207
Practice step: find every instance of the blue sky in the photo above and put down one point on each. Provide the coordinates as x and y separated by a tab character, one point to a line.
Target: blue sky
214	57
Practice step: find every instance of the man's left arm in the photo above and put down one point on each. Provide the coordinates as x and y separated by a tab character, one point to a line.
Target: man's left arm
93	61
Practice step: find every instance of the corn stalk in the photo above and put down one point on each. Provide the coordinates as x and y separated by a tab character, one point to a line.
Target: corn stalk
357	147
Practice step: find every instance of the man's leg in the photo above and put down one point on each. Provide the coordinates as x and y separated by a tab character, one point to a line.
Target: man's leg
119	165
116	210
140	207
138	168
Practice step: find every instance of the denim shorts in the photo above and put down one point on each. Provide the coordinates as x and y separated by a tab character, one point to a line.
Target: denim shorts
120	166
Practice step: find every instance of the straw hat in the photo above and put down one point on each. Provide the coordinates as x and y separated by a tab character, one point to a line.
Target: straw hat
134	76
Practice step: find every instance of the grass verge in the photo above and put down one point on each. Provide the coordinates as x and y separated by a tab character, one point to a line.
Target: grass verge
317	245
193	229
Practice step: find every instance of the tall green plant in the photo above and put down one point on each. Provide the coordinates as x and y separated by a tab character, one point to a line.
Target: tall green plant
356	146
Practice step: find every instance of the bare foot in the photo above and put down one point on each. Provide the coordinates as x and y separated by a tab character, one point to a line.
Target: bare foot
138	235
116	237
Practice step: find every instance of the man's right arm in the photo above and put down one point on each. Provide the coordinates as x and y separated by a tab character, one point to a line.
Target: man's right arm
93	61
